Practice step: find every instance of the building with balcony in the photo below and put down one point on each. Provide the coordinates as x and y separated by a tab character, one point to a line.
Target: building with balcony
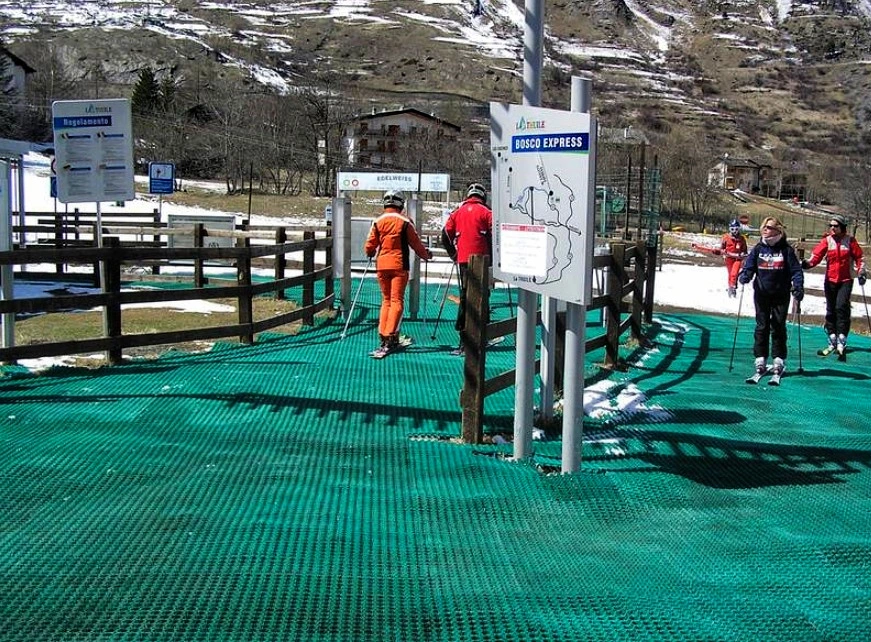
396	139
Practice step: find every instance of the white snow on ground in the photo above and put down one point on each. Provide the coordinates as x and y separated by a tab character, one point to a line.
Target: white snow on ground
783	9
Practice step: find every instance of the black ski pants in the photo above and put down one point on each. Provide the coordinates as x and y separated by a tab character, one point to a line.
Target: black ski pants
838	306
771	311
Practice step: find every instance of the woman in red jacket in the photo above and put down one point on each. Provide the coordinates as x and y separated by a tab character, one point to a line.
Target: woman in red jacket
843	262
391	236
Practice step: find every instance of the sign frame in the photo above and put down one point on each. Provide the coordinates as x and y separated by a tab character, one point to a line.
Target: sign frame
93	143
543	164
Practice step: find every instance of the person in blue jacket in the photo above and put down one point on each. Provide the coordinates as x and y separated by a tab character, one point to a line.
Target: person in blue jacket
777	271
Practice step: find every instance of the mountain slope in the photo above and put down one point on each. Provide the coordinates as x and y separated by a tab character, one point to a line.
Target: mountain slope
754	75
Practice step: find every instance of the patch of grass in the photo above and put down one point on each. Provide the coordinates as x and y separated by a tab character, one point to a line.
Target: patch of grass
80	325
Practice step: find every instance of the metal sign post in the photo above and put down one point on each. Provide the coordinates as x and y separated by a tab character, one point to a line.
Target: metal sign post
6	272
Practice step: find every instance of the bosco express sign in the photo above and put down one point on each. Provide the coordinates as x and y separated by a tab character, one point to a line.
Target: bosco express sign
573	142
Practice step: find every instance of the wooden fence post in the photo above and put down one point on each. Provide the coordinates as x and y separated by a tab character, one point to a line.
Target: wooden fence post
649	282
616	278
638	291
475	340
245	303
155	238
308	287
280	260
199	241
112	287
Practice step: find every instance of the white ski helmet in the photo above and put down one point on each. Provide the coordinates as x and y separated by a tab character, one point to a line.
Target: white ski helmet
393	198
476	189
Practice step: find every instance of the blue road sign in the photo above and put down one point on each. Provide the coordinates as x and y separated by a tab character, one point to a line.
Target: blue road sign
161	178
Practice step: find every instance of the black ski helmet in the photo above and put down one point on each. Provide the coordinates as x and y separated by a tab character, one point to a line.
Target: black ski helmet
476	189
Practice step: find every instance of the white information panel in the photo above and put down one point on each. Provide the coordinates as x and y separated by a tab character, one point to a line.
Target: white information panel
210	222
379	181
93	142
543	176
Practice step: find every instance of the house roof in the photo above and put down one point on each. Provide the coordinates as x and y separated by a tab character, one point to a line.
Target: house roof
408	112
18	61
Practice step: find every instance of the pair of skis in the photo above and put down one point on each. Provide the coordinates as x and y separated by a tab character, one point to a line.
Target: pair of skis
829	349
382	351
756	377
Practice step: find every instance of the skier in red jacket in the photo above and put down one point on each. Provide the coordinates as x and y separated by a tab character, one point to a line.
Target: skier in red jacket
733	248
468	231
844	261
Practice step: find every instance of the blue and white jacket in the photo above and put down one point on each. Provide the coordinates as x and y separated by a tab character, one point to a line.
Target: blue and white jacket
776	268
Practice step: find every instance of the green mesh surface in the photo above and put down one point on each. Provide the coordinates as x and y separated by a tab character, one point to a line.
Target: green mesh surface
283	491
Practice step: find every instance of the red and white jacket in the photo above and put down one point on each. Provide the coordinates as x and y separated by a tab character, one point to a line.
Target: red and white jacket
733	247
469	229
843	257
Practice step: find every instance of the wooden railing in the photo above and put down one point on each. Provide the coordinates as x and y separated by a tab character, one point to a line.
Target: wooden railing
113	256
629	270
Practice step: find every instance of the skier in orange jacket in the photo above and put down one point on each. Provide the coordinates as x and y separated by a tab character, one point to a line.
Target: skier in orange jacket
390	237
733	248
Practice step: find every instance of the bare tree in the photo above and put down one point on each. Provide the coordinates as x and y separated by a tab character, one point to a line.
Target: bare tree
857	190
686	163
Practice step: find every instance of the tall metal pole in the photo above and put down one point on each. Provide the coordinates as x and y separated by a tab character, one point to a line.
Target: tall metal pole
576	315
7	286
527	302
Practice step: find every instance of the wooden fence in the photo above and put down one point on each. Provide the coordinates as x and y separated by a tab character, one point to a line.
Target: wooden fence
112	256
629	270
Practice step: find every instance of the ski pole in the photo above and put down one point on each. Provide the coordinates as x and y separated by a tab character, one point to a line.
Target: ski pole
510	299
442	306
737	320
356	296
425	270
798	318
865	301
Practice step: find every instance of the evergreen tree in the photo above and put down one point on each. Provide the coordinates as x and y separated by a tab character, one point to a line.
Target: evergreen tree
146	97
8	97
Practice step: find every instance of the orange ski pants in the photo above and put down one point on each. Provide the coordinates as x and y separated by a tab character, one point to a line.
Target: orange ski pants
733	267
392	284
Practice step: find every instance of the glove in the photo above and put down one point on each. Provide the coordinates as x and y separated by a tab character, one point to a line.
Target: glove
371	255
805	264
863	276
798	294
745	277
428	254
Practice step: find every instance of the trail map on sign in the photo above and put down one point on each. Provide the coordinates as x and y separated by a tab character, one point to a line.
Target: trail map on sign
542	202
550	208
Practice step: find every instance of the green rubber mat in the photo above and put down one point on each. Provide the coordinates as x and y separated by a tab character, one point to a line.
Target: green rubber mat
297	489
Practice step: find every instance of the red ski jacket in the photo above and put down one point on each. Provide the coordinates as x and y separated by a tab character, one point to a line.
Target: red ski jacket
468	230
732	247
841	257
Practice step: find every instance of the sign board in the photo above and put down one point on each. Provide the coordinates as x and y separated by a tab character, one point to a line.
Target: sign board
161	178
381	181
210	222
543	198
360	227
93	145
